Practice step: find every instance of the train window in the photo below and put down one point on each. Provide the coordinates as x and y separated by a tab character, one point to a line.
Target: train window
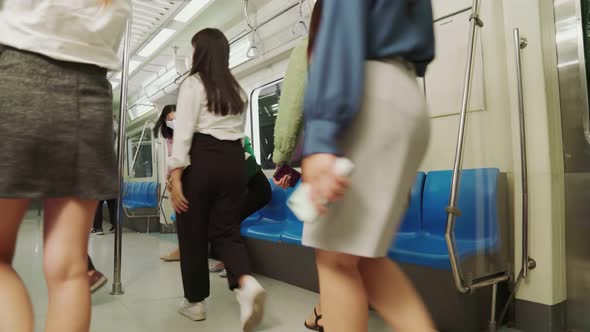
265	100
143	167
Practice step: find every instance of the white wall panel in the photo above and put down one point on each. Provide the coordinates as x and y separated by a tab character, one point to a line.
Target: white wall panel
445	76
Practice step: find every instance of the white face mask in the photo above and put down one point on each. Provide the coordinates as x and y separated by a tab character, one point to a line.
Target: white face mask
170	124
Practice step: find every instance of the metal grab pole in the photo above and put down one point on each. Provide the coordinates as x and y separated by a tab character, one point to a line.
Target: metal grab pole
527	262
117	286
452	210
493	323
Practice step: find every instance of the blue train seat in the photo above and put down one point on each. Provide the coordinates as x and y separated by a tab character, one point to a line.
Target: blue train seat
270	223
411	224
293	232
141	195
476	230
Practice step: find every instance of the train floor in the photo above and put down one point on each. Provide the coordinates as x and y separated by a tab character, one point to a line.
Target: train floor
153	289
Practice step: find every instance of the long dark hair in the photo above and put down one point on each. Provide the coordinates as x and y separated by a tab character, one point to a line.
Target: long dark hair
211	62
161	126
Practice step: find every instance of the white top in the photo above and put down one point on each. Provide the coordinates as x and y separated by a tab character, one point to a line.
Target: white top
192	116
68	30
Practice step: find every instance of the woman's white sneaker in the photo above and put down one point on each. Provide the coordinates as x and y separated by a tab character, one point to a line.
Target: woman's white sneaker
251	297
194	311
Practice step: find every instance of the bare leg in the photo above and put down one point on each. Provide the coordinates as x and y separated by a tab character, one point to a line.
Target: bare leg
342	294
393	296
16	311
65	263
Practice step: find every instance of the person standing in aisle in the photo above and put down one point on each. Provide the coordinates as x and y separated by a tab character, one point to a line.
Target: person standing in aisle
164	128
363	103
97	224
208	179
54	57
258	195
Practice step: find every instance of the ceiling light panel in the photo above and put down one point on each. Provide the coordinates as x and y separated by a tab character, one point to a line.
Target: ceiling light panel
190	10
148	18
160	39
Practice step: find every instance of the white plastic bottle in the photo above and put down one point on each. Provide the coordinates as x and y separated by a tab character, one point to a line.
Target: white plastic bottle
300	201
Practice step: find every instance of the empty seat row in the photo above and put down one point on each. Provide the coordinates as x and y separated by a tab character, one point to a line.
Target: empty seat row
421	236
140	195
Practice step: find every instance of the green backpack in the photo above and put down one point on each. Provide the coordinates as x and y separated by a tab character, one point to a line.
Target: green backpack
252	166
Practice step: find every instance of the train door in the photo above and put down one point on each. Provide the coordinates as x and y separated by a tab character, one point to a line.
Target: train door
572	23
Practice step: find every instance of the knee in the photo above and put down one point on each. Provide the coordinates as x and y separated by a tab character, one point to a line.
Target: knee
59	267
337	261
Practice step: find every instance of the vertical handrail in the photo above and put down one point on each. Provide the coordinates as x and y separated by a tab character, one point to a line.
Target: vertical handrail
452	210
117	286
147	124
493	324
527	263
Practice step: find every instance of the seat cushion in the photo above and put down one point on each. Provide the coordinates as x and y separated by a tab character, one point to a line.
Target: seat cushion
292	232
476	230
264	229
431	251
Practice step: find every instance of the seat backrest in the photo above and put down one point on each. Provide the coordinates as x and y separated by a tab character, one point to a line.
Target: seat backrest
151	194
276	209
477	203
412	221
130	191
145	193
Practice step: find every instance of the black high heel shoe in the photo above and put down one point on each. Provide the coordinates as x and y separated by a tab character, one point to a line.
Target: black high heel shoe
317	326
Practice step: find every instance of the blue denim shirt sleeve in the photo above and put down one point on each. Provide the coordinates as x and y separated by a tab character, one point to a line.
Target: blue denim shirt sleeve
336	77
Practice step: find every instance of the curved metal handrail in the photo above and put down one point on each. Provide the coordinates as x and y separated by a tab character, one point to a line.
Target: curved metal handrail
452	210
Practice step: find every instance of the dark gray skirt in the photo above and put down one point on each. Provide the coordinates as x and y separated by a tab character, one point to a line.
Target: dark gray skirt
56	130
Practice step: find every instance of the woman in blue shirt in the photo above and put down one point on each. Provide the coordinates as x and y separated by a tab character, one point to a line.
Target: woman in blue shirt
363	102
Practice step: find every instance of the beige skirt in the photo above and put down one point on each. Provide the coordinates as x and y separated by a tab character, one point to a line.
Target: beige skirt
386	142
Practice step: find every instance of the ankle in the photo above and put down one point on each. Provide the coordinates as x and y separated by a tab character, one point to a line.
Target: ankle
244	280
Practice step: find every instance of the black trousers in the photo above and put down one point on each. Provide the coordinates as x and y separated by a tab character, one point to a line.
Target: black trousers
258	194
112	204
214	186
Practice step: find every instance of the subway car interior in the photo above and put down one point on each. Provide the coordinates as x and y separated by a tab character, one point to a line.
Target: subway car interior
494	237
